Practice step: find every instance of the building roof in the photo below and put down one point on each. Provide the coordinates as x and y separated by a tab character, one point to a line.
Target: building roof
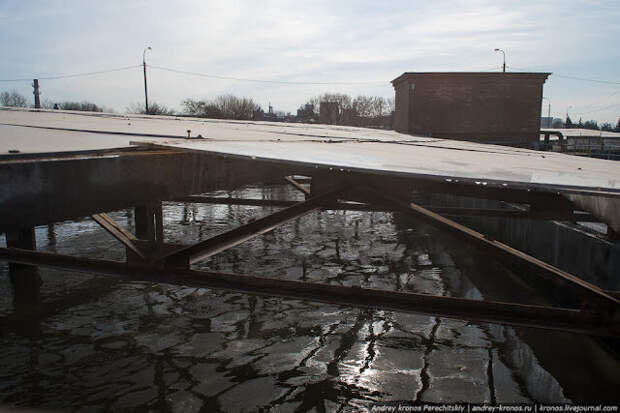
541	76
582	133
371	151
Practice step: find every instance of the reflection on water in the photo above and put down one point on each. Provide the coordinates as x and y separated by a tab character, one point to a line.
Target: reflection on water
105	343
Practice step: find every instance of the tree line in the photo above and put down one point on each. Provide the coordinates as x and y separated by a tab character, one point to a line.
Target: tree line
343	109
13	98
333	108
590	124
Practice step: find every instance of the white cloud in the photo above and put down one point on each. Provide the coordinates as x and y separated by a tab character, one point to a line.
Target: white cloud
303	41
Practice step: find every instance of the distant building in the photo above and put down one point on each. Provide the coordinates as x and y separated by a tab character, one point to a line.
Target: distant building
546	122
501	108
306	113
557	123
271	115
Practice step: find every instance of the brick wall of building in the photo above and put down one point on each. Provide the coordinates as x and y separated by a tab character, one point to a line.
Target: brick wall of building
484	107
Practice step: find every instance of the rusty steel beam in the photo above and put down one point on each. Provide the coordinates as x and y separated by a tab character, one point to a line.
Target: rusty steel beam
556	215
575	216
593	294
37	192
222	242
347	206
199	199
297	185
563	319
118	232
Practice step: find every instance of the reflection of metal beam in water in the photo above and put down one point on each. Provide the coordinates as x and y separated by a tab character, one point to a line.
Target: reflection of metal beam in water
594	294
25	279
486	311
27	321
246	232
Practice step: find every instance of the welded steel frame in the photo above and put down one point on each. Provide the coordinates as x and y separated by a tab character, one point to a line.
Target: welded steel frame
523	315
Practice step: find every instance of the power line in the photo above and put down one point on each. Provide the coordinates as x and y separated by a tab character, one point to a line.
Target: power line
609	82
598	103
282	81
598	110
71	75
285	82
185	72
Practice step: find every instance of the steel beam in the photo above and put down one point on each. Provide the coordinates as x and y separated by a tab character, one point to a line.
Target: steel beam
592	293
297	185
577	321
25	279
574	216
323	180
556	215
199	199
118	232
246	232
41	191
149	222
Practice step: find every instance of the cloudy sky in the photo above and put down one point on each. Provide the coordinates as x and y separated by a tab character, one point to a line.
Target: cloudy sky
357	46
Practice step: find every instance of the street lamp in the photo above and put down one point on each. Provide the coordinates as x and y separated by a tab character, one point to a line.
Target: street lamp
548	110
146	95
504	65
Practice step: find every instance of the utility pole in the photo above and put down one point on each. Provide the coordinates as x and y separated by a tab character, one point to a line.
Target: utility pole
504	65
37	101
146	95
548	110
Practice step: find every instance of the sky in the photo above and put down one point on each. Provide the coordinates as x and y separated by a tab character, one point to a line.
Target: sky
358	47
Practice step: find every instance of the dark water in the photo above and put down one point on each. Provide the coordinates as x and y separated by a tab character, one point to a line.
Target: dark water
108	344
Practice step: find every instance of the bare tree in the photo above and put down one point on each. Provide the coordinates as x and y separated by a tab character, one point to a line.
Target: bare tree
222	107
341	109
13	98
83	106
364	106
154	109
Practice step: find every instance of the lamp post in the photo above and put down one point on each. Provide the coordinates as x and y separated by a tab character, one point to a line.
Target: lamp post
548	110
504	65
146	95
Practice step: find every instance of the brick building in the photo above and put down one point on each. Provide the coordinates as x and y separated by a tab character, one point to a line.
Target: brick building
501	108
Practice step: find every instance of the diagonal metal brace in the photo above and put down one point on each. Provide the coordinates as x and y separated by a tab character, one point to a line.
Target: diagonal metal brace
297	185
222	242
589	291
118	232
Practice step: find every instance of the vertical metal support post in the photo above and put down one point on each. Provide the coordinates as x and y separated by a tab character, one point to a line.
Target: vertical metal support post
35	85
159	223
25	279
149	222
146	94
